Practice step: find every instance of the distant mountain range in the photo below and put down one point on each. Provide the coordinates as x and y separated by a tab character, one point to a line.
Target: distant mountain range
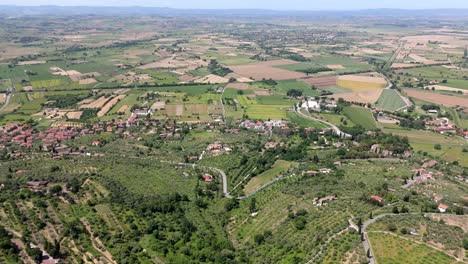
15	11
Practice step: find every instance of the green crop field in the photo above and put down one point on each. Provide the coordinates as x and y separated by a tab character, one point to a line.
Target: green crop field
391	249
360	116
452	147
278	168
265	112
284	86
390	100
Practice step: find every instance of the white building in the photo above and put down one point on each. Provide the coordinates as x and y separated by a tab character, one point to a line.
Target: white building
311	105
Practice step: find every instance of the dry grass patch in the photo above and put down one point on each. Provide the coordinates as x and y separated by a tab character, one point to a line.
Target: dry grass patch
158	106
31	62
361	78
359	86
211	78
404	65
238	86
262	93
360	97
99	103
123	109
74	115
321	82
87	81
335	66
110	104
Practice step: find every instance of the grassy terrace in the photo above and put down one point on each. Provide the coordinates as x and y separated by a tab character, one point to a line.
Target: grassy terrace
392	249
278	168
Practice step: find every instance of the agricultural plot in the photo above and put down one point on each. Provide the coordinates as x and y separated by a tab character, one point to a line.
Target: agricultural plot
321	82
360	116
106	108
347	64
445	100
392	249
359	86
280	167
303	122
235	59
260	72
366	97
265	112
284	86
390	100
45	84
423	141
308	67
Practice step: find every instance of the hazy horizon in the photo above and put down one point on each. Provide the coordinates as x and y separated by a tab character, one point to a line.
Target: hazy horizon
258	4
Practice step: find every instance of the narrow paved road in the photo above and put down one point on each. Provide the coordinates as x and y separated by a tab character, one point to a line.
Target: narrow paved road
7	100
365	242
336	130
367	245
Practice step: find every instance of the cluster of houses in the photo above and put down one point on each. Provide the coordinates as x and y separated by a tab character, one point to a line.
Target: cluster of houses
314	172
273	145
218	148
444	126
264	126
322	201
378	149
37	186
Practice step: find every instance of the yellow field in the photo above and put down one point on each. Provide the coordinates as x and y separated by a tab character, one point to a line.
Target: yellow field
357	86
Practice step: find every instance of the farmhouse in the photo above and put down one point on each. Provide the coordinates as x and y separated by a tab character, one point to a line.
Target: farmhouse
321	201
143	112
311	105
443	208
271	145
377	198
214	146
207	177
37	186
311	172
430	164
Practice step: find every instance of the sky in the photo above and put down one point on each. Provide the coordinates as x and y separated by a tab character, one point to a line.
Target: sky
263	4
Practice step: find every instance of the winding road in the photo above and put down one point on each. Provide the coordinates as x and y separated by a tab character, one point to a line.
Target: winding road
8	98
335	129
